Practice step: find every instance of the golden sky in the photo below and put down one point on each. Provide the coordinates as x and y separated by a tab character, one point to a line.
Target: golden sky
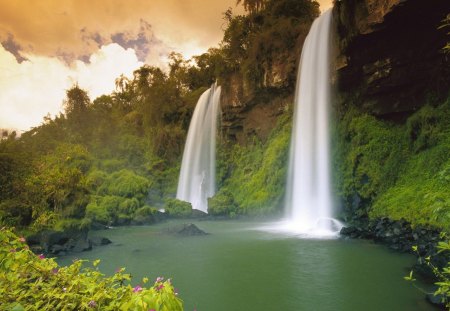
47	45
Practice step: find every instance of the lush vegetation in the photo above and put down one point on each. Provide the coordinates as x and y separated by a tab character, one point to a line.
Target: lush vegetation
33	282
399	171
256	174
115	160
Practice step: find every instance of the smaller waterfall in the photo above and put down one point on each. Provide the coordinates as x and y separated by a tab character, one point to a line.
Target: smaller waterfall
198	168
309	203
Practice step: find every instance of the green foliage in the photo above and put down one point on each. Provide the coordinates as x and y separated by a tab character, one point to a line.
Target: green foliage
31	282
125	183
369	155
145	215
267	36
70	224
97	212
441	274
446	24
177	208
257	172
399	171
222	204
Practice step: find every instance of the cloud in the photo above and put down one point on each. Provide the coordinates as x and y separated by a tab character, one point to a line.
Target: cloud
13	47
35	87
73	29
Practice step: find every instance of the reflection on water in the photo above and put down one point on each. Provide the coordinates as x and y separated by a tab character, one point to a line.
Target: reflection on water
239	267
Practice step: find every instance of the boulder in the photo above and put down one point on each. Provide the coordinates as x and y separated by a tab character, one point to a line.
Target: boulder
81	246
98	241
190	230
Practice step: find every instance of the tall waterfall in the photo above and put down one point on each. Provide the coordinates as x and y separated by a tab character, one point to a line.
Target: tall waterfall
198	168
309	204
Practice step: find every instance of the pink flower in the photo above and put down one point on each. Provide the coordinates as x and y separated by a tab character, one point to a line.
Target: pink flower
160	287
55	270
41	256
92	304
137	289
159	279
22	239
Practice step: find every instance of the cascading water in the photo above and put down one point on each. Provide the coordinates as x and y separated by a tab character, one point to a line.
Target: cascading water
309	204
198	168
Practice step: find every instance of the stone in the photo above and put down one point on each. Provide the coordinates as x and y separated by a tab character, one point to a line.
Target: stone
82	245
435	299
56	249
98	241
190	230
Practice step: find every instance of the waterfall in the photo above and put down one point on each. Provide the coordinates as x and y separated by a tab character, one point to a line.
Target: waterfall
309	204
198	168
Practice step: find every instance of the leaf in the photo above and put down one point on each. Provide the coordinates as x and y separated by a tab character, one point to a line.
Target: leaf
96	262
18	307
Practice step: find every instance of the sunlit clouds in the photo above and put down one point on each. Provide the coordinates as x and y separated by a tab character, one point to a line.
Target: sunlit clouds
35	87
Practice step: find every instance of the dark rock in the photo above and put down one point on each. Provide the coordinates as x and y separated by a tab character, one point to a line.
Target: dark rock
190	230
97	241
56	249
81	246
390	55
436	300
198	214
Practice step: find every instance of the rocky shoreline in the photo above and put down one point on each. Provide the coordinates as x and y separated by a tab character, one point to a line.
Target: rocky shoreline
400	236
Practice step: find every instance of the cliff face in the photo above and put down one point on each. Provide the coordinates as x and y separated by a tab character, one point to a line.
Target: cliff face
389	56
248	111
251	109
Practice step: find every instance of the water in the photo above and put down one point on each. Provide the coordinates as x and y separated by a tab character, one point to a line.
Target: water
198	168
308	200
238	267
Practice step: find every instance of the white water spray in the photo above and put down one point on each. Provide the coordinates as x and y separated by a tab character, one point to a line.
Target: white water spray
309	203
198	168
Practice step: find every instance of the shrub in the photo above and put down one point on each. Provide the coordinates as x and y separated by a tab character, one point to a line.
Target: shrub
98	213
145	214
95	179
126	184
31	282
222	204
178	208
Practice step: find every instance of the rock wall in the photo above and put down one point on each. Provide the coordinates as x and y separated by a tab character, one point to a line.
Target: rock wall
389	55
250	110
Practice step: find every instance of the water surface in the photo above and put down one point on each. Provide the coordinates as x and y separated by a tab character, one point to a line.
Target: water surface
240	268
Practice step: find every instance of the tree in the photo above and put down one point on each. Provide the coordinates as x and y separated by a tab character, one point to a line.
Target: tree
252	6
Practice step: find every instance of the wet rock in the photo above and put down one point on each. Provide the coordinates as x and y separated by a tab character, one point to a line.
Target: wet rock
191	230
81	246
186	230
56	249
436	300
97	241
198	214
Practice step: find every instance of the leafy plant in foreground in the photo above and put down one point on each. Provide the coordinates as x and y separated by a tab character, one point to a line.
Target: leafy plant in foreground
31	282
442	275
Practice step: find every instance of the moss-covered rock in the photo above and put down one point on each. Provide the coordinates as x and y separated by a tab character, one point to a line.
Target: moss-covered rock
177	208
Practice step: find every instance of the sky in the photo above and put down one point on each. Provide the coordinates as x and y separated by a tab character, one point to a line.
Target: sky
49	45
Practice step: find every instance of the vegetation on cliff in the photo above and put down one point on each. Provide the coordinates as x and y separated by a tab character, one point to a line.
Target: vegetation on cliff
397	171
